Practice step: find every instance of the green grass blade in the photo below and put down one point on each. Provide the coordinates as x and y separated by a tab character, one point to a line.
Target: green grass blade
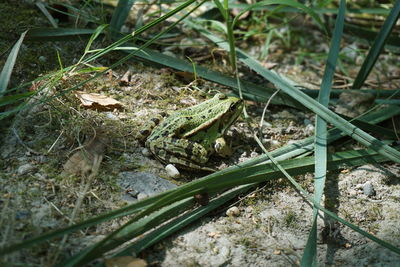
47	14
119	16
179	223
378	45
250	90
58	34
290	3
9	65
243	176
309	257
95	34
328	115
282	153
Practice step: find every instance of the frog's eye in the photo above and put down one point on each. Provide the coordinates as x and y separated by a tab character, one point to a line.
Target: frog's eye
220	96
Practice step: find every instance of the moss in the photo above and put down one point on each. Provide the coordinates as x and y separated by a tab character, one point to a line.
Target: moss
290	219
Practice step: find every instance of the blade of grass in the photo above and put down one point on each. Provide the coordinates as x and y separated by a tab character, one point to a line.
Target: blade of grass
282	153
58	34
328	115
378	45
248	175
47	14
120	42
309	257
119	16
9	65
178	223
290	3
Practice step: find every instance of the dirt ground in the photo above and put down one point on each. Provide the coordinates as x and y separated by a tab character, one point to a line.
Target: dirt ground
39	150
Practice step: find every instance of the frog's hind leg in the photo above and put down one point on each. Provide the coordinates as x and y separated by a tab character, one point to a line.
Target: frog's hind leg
149	126
188	165
179	151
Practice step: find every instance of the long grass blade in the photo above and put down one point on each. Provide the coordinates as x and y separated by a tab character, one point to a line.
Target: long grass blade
378	45
290	3
282	153
47	14
9	65
243	176
119	16
328	115
309	257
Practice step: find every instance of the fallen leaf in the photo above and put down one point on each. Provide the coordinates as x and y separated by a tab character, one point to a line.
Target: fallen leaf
126	261
98	101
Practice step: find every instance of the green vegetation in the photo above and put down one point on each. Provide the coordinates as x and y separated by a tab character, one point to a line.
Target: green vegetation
181	53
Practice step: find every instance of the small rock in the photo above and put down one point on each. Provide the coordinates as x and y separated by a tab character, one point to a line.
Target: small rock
233	211
42	59
352	193
137	185
146	152
172	171
24	169
111	116
368	189
309	129
249	209
274	143
141	196
253	154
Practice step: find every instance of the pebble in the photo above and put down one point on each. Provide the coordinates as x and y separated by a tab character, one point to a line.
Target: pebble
111	116
352	193
274	143
368	189
24	169
233	211
309	129
141	196
253	154
172	171
146	152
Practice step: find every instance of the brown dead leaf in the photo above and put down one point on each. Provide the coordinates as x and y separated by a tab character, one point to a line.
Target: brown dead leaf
98	101
126	261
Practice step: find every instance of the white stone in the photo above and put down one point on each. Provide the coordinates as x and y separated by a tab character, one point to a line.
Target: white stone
172	171
141	196
24	169
233	211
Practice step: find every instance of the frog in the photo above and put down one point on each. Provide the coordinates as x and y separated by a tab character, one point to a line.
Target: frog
188	137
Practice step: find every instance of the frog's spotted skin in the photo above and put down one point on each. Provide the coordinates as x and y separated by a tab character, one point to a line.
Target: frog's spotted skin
186	138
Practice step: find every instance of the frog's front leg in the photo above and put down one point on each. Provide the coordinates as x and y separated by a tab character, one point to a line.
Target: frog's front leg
182	152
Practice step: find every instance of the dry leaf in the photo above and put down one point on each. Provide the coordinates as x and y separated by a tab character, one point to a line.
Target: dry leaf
97	101
126	261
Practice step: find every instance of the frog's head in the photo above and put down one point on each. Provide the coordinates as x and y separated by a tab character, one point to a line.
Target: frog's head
230	108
